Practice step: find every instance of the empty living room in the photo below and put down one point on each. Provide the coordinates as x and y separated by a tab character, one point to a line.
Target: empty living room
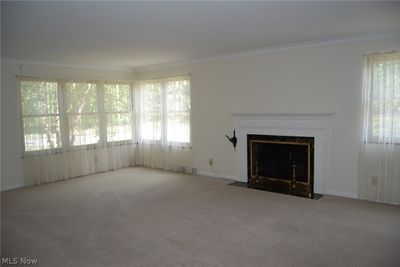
200	133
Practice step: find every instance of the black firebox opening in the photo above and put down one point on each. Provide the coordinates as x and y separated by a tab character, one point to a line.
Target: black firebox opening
282	164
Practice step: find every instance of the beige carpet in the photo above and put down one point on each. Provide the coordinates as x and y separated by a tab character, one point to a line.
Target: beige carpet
143	217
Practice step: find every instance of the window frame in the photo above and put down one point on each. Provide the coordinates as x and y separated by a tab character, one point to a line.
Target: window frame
132	112
22	116
63	115
164	112
371	138
140	111
69	145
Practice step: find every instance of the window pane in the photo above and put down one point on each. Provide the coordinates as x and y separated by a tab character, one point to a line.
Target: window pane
81	98
41	133
119	127
385	105
396	118
117	98
151	112
376	121
178	111
178	127
84	129
151	126
39	98
397	81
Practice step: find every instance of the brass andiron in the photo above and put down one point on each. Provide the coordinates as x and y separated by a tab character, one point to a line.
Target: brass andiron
257	165
293	185
233	139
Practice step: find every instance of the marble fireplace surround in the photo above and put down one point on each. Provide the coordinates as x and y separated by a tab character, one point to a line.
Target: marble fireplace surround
315	125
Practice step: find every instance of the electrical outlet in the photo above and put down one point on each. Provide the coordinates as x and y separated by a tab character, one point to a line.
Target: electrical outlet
210	161
374	180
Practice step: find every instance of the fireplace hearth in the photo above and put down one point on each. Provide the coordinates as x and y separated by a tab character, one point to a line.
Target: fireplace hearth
283	164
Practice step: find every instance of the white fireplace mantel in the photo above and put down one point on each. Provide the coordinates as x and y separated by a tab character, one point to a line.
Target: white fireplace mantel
315	125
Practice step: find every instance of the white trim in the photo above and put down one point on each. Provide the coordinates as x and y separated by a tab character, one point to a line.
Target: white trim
216	175
277	48
56	64
315	125
12	186
342	194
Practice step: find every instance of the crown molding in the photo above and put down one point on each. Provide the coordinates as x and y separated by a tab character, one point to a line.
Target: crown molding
265	50
56	64
278	48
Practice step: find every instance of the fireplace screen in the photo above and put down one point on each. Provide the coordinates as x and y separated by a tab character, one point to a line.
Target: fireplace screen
281	164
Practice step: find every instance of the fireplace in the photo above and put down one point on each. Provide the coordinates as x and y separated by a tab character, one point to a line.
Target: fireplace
283	164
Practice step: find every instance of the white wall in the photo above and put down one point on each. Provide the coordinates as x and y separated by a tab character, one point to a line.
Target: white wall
326	78
11	140
317	79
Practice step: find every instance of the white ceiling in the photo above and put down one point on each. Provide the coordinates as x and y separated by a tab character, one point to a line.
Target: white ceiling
135	34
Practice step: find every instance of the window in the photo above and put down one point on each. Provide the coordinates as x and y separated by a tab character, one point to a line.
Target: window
67	114
379	156
165	110
40	115
178	110
150	111
118	108
82	111
382	87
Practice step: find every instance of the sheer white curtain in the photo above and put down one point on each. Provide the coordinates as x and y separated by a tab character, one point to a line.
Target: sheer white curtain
75	128
68	131
379	164
55	166
163	124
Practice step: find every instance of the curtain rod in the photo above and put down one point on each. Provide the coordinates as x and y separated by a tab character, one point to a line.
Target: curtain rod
165	77
101	80
381	53
70	79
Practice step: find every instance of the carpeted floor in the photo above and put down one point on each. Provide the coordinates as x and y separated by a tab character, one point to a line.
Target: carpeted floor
143	217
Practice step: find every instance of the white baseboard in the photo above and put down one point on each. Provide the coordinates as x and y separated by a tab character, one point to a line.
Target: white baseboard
12	186
342	194
216	175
